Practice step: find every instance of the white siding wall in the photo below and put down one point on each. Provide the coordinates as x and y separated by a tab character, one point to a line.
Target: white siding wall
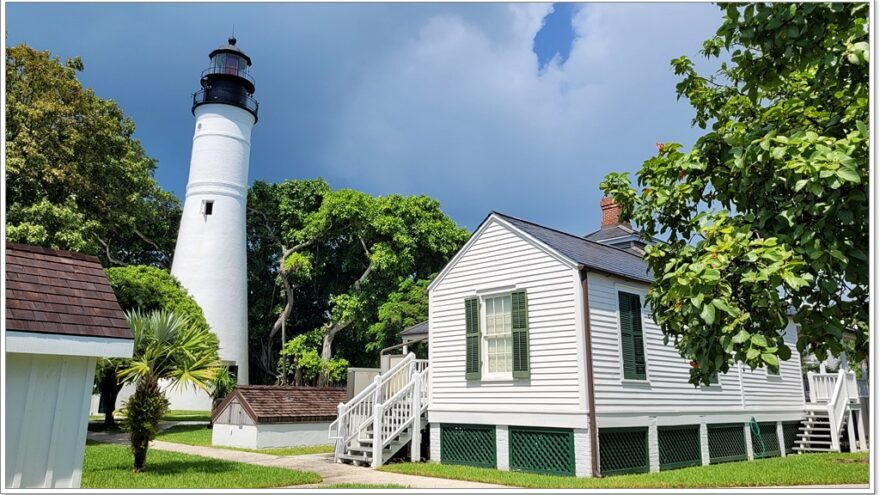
667	391
783	392
47	406
266	436
499	259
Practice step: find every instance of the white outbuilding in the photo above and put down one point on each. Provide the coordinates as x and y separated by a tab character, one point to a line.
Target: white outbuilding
61	316
269	416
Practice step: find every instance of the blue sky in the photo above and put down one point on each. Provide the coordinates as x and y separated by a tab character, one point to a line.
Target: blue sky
520	108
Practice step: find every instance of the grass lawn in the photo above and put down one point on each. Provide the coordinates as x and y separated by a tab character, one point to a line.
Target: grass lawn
201	435
184	415
805	469
110	466
174	415
342	486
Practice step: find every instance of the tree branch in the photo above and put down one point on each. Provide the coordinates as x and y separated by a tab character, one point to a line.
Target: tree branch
109	257
156	246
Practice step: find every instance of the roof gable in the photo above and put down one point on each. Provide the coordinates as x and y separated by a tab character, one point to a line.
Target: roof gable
496	218
51	291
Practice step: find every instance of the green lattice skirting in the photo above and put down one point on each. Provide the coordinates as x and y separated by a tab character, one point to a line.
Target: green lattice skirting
623	450
727	442
679	446
770	439
542	450
472	445
789	435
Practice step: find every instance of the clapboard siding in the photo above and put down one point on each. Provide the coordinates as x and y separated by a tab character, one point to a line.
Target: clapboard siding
775	392
496	259
667	388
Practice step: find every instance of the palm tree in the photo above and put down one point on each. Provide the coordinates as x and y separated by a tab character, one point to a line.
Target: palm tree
166	347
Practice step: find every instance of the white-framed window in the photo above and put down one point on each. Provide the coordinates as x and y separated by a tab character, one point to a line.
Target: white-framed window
498	335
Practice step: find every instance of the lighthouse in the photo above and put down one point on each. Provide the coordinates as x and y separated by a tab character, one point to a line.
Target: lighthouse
210	258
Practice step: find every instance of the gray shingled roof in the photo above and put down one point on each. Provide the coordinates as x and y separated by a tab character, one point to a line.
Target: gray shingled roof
415	330
610	232
586	252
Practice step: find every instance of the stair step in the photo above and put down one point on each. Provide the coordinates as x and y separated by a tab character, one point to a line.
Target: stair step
803	442
356	458
812	449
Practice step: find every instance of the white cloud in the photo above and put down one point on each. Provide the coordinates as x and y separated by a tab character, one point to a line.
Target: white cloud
460	111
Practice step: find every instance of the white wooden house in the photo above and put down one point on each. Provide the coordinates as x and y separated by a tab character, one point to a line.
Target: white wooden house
542	357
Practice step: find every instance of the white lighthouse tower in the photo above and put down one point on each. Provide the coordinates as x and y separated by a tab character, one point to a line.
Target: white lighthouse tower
210	259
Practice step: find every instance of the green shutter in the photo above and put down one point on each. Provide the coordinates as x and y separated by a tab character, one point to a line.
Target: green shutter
472	339
632	346
520	328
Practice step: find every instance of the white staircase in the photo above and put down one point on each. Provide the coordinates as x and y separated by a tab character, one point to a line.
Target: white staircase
384	417
834	405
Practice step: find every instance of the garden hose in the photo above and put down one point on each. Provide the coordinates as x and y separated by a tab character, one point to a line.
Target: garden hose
756	434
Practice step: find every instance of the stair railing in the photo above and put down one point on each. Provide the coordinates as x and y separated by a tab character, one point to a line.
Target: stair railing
837	404
401	411
821	386
355	416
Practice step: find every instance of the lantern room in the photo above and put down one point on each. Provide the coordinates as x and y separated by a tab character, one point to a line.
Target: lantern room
227	79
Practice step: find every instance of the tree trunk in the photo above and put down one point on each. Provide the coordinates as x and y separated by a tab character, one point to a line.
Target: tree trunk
110	388
327	350
145	409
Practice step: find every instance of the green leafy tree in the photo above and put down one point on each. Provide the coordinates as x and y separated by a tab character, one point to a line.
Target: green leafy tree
336	257
768	212
144	289
380	242
404	308
300	356
167	346
283	291
75	176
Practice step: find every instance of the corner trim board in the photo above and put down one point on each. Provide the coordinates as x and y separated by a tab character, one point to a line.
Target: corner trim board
588	355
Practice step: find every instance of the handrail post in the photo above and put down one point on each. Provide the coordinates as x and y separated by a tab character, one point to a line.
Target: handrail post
415	444
377	435
851	431
341	430
812	381
377	390
832	424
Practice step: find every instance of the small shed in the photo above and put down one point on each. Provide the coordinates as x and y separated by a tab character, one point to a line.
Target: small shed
61	315
269	416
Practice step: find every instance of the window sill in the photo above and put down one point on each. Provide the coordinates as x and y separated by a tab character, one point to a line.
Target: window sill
632	381
499	378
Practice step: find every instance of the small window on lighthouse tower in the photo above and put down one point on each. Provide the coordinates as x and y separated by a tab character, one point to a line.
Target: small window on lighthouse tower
207	207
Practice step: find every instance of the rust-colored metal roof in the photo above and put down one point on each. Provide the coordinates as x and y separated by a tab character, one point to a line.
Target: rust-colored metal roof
60	292
285	404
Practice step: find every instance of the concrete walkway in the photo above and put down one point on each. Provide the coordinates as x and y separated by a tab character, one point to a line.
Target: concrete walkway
320	464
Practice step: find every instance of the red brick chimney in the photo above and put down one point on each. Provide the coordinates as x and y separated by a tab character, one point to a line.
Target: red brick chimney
610	213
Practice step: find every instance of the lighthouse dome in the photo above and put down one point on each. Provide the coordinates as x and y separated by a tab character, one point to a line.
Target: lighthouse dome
230	49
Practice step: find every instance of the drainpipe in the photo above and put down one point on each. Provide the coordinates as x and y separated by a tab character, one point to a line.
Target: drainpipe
588	357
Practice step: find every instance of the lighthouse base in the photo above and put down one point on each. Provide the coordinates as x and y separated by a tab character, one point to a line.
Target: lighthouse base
180	399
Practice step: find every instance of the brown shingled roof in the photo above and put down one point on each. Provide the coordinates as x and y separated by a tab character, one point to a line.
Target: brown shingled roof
285	404
60	292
